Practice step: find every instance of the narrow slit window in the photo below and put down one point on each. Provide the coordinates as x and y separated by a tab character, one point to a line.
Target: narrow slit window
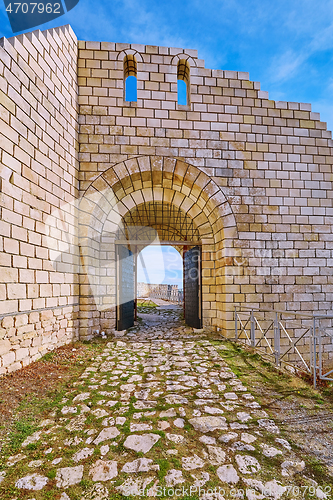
183	83
182	92
130	79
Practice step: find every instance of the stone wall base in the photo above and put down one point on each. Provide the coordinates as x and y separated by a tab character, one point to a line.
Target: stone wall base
26	337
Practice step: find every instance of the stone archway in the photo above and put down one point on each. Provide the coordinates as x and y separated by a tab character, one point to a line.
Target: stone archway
147	179
158	223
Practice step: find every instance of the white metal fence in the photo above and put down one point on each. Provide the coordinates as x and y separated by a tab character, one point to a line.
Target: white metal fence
280	334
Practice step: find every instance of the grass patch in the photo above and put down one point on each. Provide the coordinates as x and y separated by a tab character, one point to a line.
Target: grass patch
22	429
164	467
51	474
43	393
146	306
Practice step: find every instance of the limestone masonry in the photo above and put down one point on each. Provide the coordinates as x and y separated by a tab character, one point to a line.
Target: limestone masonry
254	176
145	290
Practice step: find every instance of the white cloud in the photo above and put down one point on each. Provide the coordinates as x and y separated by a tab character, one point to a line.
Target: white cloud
286	65
158	264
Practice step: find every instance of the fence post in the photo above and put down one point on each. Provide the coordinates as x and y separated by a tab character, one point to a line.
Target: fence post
236	324
314	354
253	330
277	348
320	349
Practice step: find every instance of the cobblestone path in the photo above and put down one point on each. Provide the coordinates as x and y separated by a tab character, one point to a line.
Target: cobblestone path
158	414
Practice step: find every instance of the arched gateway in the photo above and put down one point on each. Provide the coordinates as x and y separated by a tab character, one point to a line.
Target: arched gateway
195	213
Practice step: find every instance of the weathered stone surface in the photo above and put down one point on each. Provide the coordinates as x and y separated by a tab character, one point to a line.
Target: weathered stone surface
269	425
106	434
207	393
229	436
140	465
271	489
176	438
64	496
227	474
99	413
213	411
32	482
243	416
290	467
103	470
174	477
213	452
68	476
144	405
140	427
270	451
247	438
68	410
179	422
32	439
142	443
108	422
200	479
35	463
82	454
105	449
162	425
247	464
193	462
216	455
111	403
168	413
56	461
120	420
76	423
14	459
230	395
81	397
207	440
240	446
208	424
175	399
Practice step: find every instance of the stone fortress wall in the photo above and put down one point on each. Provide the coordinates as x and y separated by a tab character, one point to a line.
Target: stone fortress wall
144	290
39	173
253	174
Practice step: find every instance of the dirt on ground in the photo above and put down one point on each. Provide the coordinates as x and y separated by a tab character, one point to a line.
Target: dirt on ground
38	380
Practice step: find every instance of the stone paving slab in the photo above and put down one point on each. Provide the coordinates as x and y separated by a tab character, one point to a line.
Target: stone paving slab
157	412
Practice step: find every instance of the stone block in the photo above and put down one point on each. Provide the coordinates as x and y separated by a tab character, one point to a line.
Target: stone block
8	359
21	353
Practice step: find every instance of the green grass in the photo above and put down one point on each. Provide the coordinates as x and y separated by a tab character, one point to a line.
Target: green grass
51	474
164	467
33	409
22	429
144	306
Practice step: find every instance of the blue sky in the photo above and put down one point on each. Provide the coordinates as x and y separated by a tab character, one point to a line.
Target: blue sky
160	264
286	45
